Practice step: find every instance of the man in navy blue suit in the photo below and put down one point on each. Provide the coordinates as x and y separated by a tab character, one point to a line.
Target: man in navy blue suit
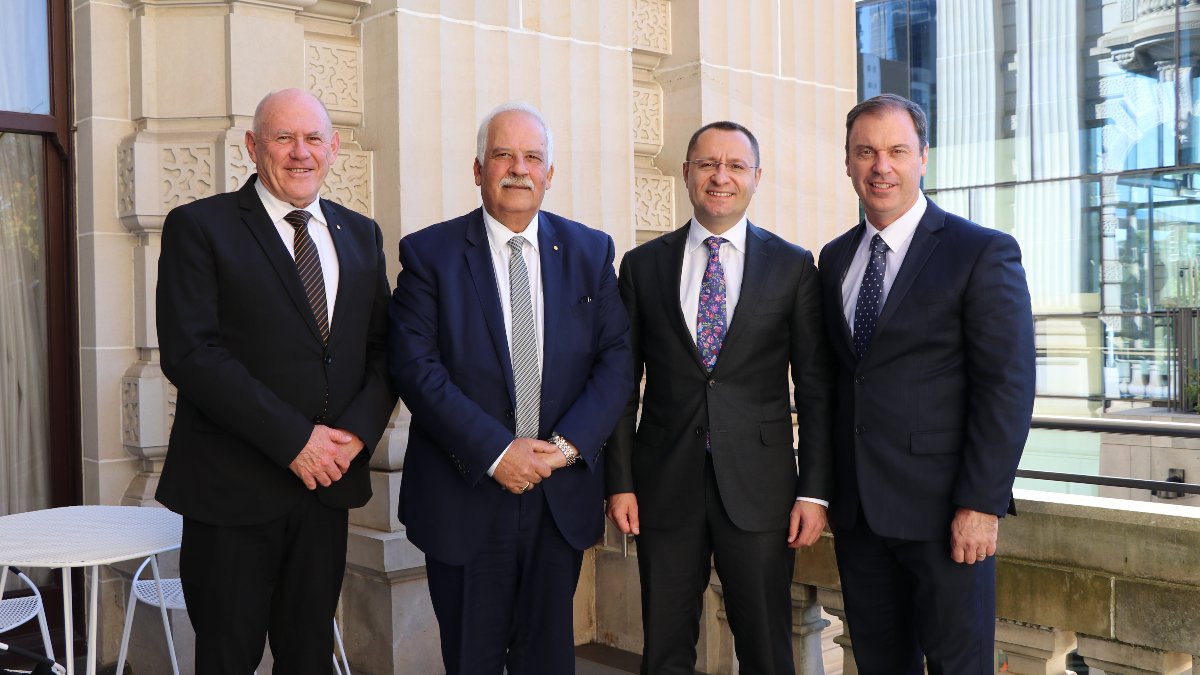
929	315
510	346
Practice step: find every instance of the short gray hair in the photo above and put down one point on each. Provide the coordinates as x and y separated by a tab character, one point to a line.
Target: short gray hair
481	138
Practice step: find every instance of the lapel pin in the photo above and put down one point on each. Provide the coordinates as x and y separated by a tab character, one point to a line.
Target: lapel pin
556	247
339	226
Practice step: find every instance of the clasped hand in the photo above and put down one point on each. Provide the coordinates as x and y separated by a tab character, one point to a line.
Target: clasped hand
526	463
326	457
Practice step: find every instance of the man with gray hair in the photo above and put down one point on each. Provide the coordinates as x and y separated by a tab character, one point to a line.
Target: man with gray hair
510	346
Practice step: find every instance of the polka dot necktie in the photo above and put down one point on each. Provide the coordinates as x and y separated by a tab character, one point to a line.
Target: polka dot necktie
710	311
866	310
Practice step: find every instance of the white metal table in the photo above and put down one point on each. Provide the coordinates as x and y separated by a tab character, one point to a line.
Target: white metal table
85	536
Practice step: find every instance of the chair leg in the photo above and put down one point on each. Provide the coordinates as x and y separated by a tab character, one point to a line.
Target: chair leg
337	637
45	631
129	606
162	606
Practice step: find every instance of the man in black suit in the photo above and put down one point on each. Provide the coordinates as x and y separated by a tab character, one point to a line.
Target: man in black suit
510	346
272	319
935	387
722	311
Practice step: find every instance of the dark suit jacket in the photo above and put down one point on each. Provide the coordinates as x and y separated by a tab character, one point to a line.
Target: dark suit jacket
239	340
449	358
936	414
745	402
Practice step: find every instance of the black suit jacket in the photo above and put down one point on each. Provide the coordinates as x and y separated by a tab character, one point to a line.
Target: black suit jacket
936	414
744	404
450	361
239	340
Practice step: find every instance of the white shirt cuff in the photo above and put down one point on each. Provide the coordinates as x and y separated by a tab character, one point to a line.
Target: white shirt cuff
814	500
492	468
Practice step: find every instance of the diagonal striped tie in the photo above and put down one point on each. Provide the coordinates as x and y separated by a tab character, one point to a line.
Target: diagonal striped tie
527	376
308	265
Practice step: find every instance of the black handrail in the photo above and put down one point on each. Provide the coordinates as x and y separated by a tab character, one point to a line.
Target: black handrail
1111	426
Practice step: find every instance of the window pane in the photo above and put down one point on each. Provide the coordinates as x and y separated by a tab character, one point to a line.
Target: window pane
24	418
25	57
883	48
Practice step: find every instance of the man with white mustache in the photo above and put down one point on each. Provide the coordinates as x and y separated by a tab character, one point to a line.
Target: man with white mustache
723	313
510	346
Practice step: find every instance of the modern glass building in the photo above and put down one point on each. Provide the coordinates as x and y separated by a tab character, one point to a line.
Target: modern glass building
1074	126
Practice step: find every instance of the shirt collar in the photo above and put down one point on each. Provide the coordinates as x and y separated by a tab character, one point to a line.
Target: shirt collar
901	229
736	235
498	235
277	208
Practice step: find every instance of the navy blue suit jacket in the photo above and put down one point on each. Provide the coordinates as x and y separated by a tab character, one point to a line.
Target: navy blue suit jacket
449	358
936	414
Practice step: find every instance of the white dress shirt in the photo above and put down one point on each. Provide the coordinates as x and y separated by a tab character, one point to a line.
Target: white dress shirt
498	236
898	236
318	230
733	262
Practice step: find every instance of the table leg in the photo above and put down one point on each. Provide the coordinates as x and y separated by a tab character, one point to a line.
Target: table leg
93	611
68	621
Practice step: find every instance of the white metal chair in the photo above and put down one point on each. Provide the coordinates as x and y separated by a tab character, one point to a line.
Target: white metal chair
168	594
16	611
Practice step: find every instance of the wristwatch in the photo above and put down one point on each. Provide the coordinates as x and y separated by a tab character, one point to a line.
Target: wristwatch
568	450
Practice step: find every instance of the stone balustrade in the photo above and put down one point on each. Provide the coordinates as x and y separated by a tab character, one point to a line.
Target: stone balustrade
1117	581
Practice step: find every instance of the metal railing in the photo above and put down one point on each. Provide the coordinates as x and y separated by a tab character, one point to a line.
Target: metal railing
1138	427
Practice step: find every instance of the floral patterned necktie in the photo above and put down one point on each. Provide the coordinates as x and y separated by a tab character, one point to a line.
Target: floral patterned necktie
710	312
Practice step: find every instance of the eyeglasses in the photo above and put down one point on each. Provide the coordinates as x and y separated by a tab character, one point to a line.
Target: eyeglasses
711	165
313	140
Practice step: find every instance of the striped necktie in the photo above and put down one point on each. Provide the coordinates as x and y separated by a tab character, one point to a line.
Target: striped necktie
527	376
308	265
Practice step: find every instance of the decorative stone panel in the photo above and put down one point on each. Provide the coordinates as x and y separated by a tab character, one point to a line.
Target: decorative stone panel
147	410
154	176
655	203
652	26
647	118
333	73
349	180
238	165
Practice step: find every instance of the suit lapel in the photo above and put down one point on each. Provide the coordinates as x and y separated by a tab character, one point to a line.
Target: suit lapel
255	217
555	302
483	276
924	241
834	300
754	277
670	270
348	258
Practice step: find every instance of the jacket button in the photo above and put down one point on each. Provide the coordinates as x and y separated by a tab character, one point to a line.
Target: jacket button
699	431
712	383
860	429
509	414
328	359
859	379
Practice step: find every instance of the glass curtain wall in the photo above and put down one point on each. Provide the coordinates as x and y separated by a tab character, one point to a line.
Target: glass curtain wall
1075	126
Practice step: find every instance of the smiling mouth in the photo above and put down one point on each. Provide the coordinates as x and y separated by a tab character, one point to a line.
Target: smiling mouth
883	186
714	193
298	172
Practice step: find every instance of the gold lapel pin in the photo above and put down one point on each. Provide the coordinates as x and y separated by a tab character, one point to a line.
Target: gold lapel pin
556	247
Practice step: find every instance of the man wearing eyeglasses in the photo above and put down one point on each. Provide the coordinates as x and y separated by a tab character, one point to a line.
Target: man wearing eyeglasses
720	311
272	320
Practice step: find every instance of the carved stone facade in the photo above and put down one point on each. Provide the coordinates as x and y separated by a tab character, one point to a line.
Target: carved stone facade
166	90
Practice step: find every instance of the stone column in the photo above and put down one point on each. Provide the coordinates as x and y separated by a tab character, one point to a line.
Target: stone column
1118	658
807	625
834	604
654	193
1033	649
785	71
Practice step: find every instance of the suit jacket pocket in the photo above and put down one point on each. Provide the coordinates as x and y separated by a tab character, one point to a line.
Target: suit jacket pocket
935	442
778	432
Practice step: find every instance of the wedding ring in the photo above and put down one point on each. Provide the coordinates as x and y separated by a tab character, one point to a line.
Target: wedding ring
527	488
981	557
